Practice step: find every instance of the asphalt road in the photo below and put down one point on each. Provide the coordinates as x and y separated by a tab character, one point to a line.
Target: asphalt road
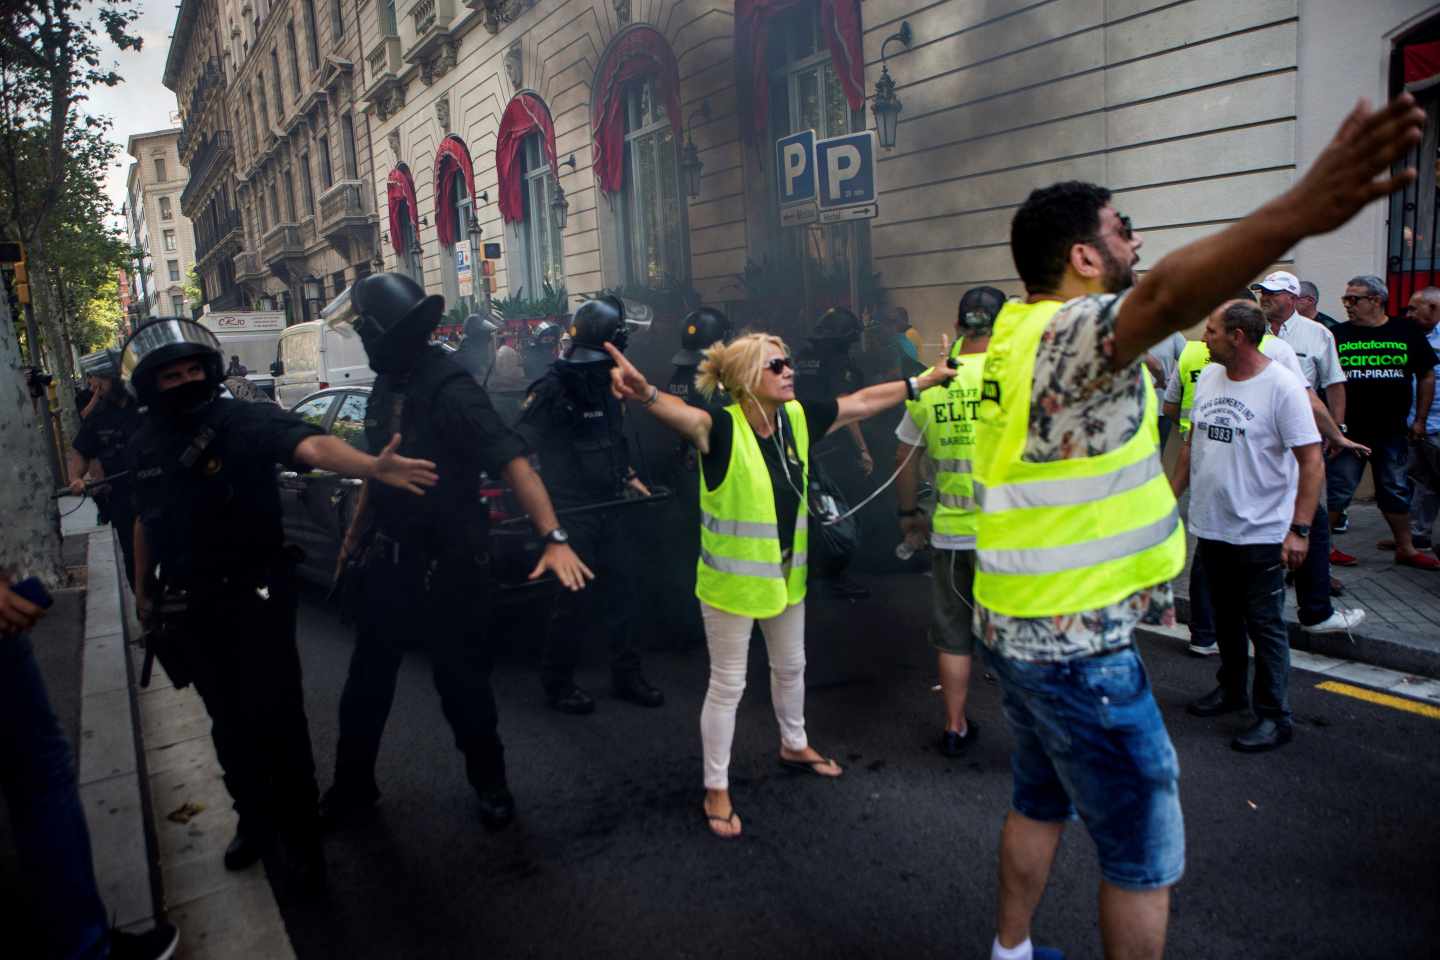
1326	849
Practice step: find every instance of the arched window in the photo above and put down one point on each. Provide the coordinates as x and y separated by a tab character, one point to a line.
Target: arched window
653	203
454	203
525	164
404	222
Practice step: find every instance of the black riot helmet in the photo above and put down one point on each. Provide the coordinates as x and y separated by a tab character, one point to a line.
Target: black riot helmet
596	323
161	342
701	329
479	326
546	335
977	310
838	325
393	316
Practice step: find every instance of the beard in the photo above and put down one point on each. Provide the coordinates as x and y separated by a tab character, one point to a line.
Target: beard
1118	277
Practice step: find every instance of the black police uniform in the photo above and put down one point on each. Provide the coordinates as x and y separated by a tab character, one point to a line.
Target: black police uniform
577	427
104	436
206	493
425	570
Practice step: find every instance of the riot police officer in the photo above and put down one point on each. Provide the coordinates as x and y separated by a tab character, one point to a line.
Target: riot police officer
700	330
476	353
577	427
214	581
541	349
423	563
110	421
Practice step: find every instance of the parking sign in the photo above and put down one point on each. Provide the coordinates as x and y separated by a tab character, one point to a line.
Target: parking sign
795	178
845	172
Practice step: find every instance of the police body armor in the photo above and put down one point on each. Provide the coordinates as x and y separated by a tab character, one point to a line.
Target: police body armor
599	452
451	521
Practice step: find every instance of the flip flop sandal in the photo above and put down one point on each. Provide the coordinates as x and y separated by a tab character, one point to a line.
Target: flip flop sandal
726	819
810	766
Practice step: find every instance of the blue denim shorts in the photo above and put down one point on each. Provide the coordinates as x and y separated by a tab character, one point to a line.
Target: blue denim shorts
1089	740
1389	462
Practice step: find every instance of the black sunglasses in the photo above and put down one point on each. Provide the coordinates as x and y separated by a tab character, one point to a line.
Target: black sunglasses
778	364
1126	231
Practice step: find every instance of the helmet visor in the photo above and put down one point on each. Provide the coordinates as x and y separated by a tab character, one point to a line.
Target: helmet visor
159	334
100	364
340	310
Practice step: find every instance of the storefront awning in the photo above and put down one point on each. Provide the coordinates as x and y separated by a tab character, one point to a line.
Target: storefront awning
525	115
400	195
1422	65
640	52
840	26
452	156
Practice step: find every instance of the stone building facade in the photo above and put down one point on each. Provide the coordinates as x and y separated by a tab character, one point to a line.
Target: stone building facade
158	228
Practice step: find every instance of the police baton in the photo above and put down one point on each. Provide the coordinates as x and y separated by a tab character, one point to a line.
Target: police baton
658	495
91	484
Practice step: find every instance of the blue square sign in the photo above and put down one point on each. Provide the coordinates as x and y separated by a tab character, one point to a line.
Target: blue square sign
795	168
845	170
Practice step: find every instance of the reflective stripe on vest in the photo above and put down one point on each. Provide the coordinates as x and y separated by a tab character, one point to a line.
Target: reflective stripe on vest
741	569
945	414
1063	536
1194	359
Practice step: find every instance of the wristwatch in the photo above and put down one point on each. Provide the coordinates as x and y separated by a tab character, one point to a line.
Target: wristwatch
1300	529
1342	428
558	535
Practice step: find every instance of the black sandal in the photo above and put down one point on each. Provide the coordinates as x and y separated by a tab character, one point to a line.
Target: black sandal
726	819
809	766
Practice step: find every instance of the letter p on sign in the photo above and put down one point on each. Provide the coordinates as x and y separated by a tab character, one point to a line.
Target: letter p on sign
797	159
842	163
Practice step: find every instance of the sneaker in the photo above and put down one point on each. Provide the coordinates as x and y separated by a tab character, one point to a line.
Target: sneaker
1339	558
1344	523
1209	649
1340	621
157	943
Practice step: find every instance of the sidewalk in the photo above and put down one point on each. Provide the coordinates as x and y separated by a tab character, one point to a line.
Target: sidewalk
1401	629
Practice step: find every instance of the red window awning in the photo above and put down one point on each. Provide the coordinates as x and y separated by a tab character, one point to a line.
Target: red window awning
840	26
1422	65
451	157
400	195
640	52
525	115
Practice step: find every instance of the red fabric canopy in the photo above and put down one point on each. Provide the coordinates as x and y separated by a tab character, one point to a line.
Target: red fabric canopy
451	156
640	52
1422	65
839	24
400	194
525	115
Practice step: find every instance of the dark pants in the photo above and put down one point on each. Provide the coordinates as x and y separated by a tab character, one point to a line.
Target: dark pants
461	660
1247	593
1202	614
122	517
605	607
1312	580
245	665
37	775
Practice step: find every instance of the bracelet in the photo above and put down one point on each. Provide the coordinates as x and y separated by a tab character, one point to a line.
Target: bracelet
654	396
912	389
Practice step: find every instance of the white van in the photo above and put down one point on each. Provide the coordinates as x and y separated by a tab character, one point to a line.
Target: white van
314	356
252	337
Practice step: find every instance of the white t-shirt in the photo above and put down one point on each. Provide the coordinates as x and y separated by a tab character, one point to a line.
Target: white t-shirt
908	433
1243	475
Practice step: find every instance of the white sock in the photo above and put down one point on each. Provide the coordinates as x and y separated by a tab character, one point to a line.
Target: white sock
1021	951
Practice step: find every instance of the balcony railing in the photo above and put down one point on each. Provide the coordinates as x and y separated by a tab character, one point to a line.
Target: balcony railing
211	80
248	266
213	151
428	24
283	242
210	234
344	206
423	14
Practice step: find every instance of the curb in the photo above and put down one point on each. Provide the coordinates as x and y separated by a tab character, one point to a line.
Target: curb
111	773
1376	645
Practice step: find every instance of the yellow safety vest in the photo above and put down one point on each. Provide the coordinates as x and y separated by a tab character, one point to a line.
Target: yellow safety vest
740	569
1193	360
1063	536
946	415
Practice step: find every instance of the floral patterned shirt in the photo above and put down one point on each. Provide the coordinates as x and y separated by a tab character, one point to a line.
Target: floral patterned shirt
1080	408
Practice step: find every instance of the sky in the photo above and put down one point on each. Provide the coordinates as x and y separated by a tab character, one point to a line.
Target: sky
142	103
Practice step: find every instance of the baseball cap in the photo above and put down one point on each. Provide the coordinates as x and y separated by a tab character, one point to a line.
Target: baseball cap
1279	282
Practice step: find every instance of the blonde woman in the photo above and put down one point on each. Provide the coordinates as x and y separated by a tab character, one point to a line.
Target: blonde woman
753	532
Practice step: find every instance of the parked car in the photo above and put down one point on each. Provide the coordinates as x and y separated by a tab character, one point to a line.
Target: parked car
317	506
314	356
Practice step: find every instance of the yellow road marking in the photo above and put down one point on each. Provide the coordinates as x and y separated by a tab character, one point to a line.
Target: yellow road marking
1383	699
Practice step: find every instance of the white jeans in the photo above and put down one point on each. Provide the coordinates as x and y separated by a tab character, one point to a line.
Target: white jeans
728	637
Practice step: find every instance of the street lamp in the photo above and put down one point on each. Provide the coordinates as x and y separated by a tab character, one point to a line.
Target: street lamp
313	292
559	207
886	106
690	162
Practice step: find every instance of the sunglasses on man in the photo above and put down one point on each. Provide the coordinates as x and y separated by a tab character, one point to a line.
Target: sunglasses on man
1351	298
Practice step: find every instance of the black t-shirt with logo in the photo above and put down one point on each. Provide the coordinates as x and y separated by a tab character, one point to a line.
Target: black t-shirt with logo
1379	363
